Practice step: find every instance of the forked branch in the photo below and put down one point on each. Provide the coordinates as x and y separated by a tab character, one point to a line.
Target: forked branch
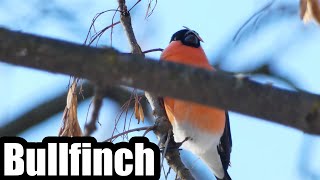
162	124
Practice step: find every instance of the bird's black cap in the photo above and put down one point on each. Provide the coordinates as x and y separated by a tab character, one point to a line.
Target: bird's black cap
188	37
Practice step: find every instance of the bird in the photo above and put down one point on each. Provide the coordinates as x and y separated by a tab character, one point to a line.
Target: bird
206	128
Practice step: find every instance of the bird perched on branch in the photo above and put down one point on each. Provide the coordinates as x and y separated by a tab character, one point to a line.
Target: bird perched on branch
207	128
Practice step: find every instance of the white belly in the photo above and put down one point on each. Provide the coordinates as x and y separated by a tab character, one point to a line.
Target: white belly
200	141
201	144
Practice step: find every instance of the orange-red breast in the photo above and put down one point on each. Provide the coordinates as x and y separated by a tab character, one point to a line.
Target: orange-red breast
206	127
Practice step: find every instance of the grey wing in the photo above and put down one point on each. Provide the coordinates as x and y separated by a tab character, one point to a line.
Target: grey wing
224	148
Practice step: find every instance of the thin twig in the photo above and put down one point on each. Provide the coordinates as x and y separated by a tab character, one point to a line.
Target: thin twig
127	109
166	147
253	16
124	108
134	5
126	132
111	32
148	13
87	114
81	89
148	130
152	50
168	172
164	172
93	22
130	119
117	119
100	33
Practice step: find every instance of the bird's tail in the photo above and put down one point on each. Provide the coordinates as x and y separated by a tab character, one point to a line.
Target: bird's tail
226	176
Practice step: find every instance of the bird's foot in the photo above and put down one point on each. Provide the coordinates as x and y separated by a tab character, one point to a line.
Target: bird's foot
174	146
179	144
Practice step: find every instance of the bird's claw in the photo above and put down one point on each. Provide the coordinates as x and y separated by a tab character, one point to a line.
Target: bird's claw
175	146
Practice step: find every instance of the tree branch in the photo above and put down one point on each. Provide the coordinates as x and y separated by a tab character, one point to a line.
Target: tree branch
46	109
162	124
125	19
299	110
40	113
91	126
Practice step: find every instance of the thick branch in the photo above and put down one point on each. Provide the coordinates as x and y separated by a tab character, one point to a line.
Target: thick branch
91	126
45	110
40	113
295	109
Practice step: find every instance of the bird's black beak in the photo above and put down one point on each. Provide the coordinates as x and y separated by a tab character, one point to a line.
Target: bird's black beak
192	40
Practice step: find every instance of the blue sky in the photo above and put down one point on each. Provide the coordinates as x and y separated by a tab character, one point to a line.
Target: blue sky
261	150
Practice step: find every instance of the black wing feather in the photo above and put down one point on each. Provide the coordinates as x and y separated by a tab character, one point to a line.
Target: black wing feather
225	146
